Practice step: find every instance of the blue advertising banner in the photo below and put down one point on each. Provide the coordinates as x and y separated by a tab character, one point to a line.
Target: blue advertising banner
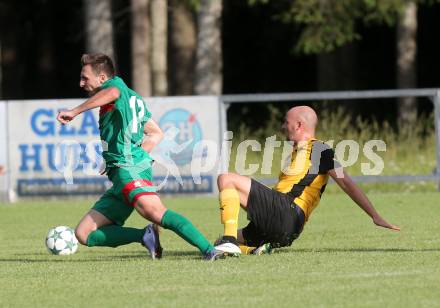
50	159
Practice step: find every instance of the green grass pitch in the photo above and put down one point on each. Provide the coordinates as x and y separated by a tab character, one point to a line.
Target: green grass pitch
340	260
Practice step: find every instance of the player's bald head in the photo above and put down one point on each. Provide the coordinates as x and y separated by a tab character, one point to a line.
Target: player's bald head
305	114
300	123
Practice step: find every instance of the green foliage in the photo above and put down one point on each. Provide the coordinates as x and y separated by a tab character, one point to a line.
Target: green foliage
340	260
255	2
326	24
329	24
193	5
410	152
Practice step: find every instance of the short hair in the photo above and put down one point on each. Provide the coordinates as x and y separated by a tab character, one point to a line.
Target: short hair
100	63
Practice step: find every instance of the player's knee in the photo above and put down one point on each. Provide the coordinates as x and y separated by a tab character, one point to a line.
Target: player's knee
81	235
151	208
224	181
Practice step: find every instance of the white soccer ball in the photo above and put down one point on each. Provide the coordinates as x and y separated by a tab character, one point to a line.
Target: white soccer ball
61	241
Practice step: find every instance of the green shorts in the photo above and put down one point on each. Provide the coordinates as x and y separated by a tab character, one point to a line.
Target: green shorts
129	184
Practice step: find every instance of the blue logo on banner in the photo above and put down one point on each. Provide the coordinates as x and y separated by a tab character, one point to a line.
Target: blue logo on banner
185	132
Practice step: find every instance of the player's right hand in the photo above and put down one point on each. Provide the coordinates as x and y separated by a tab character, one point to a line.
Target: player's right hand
379	221
65	116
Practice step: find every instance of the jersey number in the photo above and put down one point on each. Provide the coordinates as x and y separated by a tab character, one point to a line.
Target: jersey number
137	116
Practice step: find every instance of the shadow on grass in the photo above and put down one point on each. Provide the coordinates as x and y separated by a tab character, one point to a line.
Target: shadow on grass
333	250
187	255
126	256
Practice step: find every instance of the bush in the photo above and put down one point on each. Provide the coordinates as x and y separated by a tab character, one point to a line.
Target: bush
410	152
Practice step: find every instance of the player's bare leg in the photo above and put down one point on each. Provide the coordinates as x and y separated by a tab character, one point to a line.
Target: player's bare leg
151	208
234	191
89	223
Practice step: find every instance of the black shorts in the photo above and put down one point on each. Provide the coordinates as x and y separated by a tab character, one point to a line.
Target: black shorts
274	218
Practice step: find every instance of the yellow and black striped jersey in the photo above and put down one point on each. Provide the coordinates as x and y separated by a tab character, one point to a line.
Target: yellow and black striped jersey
305	177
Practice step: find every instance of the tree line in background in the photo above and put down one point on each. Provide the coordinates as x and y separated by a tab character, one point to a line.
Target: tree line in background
329	25
196	60
176	46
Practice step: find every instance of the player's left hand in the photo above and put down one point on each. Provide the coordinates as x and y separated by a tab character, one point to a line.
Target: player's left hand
379	221
65	116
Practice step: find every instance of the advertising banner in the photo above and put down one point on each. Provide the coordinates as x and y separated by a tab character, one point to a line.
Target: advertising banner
186	161
50	159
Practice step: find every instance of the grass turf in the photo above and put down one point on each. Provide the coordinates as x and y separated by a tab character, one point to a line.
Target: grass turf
341	259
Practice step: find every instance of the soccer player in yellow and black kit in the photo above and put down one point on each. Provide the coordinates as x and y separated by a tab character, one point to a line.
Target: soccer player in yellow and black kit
277	216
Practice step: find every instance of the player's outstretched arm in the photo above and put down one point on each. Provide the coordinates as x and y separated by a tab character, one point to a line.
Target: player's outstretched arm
153	135
103	97
357	195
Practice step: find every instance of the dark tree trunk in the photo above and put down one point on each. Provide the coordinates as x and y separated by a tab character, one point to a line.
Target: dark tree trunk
406	64
140	46
182	48
208	74
99	27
